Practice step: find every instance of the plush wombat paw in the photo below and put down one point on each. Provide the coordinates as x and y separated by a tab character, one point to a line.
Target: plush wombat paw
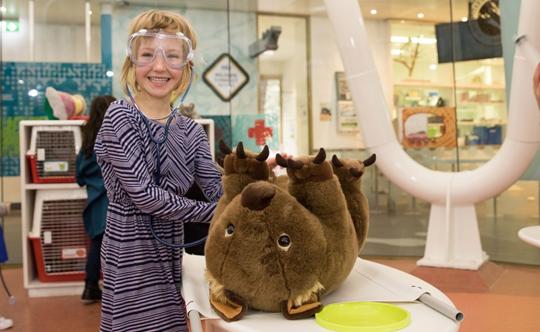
232	309
305	169
351	170
305	310
245	162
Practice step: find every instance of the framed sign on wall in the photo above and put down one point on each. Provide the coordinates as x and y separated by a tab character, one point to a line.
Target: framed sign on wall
225	77
346	113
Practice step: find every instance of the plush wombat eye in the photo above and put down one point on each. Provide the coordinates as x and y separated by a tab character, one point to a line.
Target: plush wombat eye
284	242
229	230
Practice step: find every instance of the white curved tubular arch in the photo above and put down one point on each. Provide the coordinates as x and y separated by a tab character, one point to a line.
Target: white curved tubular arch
453	238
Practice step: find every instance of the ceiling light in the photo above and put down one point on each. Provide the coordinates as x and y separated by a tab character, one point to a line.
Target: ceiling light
33	93
415	40
399	39
433	66
420	15
3	9
464	19
373	12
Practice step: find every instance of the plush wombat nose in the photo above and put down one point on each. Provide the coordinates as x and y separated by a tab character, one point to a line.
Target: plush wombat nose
258	195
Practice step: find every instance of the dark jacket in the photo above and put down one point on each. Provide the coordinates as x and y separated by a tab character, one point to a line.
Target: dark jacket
95	213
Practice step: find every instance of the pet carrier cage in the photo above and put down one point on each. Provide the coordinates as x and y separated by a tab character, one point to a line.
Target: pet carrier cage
53	153
58	238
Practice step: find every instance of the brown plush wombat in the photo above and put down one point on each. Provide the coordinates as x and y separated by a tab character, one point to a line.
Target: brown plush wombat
274	250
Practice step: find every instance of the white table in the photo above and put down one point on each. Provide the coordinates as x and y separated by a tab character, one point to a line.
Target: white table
531	235
368	281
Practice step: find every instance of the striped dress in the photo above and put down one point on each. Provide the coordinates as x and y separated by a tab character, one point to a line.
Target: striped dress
141	276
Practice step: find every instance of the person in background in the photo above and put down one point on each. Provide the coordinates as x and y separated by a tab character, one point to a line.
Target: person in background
536	84
95	213
150	156
5	323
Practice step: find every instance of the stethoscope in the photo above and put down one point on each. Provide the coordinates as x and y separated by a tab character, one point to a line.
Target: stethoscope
157	175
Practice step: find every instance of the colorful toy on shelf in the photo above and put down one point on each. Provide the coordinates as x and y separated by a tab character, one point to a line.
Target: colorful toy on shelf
64	106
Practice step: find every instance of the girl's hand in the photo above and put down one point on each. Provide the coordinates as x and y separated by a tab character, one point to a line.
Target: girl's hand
272	161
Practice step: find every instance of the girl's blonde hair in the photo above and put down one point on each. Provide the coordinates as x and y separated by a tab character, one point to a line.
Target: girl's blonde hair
159	20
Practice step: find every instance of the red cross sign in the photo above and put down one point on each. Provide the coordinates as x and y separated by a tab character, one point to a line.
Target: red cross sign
260	132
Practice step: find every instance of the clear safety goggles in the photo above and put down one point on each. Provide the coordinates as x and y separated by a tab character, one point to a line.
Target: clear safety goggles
144	46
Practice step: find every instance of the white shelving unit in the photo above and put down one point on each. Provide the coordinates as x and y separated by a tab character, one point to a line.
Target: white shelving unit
208	125
34	287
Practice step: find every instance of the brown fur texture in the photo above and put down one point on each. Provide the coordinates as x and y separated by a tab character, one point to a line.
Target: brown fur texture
278	249
240	168
251	264
349	172
281	181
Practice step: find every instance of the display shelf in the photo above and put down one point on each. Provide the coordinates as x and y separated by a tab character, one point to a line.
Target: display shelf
485	123
475	102
422	84
40	289
34	287
479	103
36	186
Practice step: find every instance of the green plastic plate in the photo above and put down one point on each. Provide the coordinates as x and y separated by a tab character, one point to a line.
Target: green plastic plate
363	317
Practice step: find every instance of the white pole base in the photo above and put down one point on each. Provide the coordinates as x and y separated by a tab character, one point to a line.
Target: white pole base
453	239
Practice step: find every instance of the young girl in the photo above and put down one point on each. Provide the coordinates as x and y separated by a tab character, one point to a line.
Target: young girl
150	156
95	213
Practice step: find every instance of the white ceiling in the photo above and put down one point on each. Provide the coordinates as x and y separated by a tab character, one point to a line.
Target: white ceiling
72	11
434	10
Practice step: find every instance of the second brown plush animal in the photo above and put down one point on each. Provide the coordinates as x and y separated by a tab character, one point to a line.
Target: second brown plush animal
349	172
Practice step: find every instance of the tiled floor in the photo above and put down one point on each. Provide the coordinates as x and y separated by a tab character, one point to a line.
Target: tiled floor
498	298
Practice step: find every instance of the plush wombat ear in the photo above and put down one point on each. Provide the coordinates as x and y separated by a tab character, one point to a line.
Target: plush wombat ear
224	147
336	161
320	157
370	161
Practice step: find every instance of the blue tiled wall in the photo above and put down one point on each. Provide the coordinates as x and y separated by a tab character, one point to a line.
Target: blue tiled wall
86	79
